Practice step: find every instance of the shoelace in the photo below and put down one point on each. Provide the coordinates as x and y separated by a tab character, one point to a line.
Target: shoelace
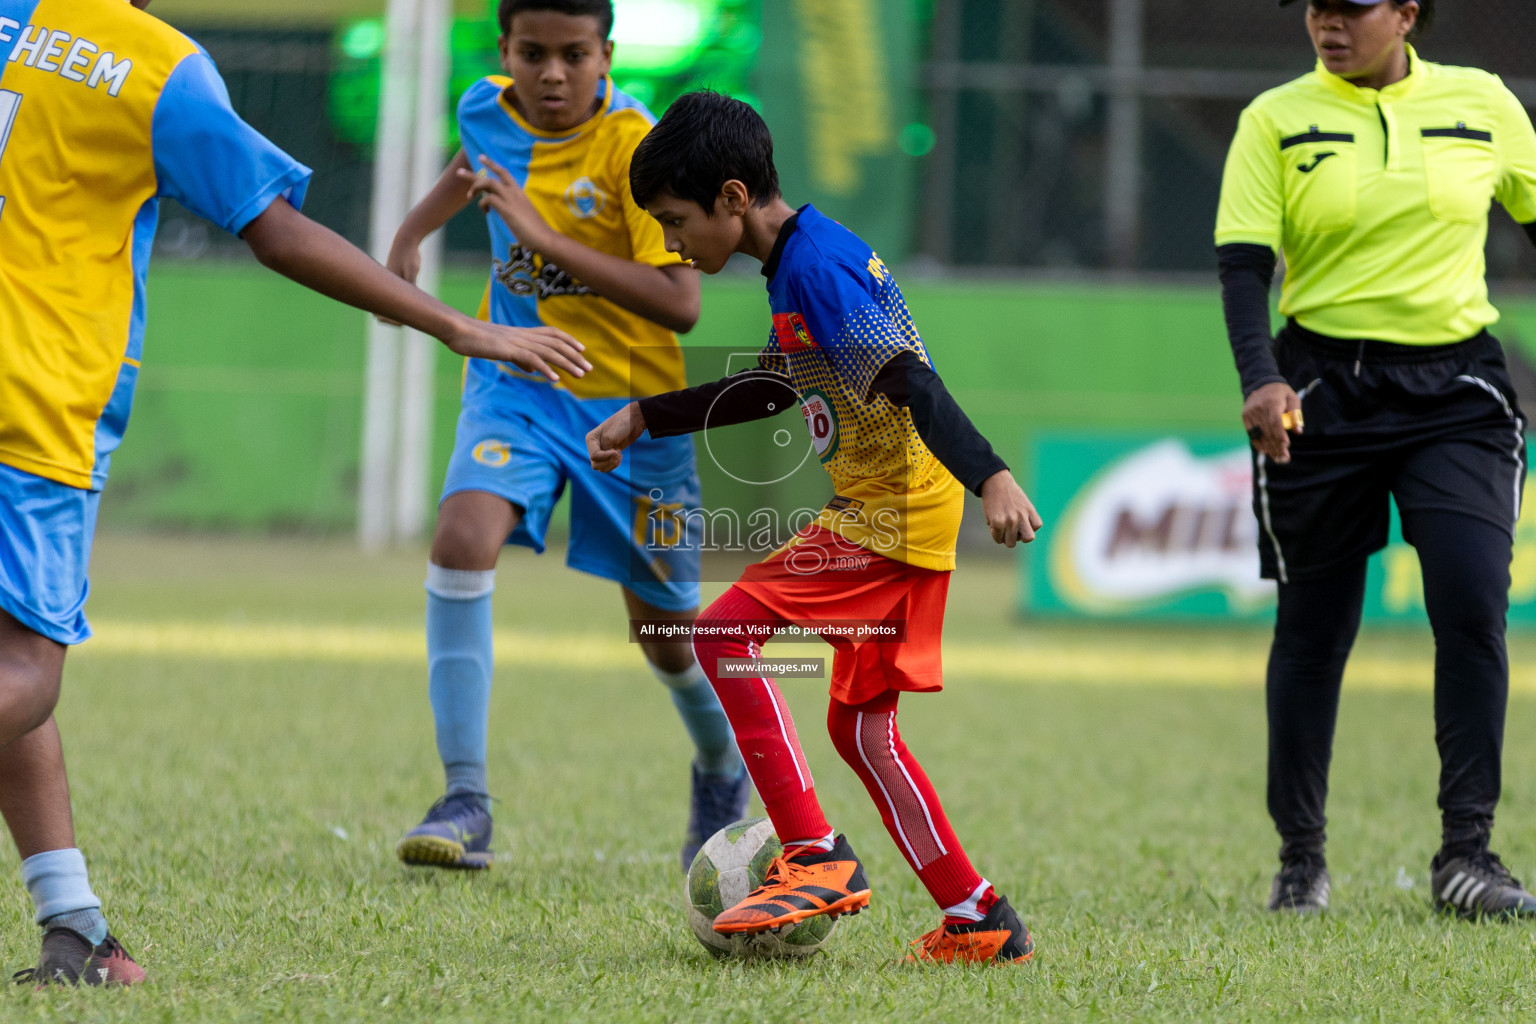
1298	877
932	942
1489	861
778	870
439	811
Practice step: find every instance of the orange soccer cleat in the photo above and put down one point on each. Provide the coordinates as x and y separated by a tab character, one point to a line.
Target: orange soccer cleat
803	883
998	938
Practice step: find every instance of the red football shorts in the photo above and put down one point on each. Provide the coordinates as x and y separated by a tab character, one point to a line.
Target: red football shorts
824	582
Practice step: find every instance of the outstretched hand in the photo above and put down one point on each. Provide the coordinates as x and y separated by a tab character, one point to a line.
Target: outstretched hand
606	441
540	350
1011	516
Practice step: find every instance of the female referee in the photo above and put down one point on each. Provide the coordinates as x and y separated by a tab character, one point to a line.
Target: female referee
1373	175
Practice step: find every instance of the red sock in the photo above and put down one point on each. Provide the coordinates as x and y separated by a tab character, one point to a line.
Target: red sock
765	732
867	738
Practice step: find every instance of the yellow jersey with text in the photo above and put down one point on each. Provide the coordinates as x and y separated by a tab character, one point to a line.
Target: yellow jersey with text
1379	199
579	182
838	317
103	110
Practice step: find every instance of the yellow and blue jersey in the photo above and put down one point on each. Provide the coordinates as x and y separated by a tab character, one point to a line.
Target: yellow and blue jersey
579	182
838	317
104	109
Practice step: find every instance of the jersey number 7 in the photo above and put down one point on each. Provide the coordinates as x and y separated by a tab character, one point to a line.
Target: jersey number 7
10	102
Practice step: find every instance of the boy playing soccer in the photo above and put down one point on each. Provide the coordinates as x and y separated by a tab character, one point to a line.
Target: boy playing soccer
547	153
898	450
103	111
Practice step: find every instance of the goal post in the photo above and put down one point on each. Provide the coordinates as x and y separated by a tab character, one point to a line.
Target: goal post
398	384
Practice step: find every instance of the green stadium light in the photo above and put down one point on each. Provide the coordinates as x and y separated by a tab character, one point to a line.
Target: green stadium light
661	49
660	36
364	39
917	139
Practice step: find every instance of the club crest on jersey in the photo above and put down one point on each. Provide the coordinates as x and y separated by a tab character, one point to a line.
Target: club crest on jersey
821	421
585	199
792	333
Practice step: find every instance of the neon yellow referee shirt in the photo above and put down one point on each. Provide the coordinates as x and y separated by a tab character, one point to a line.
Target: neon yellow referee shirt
1379	199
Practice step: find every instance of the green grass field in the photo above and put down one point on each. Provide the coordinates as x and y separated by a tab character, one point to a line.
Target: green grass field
249	735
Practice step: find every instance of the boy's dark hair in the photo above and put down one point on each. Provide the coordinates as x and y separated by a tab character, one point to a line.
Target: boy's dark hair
602	10
705	140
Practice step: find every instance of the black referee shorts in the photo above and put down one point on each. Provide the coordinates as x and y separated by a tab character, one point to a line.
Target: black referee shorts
1436	427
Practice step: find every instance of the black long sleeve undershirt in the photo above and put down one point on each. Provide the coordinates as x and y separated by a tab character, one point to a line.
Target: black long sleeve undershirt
944	427
1246	271
1530	229
905	379
755	394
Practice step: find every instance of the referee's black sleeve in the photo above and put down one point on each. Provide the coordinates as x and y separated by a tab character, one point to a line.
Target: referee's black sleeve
944	427
754	395
1247	271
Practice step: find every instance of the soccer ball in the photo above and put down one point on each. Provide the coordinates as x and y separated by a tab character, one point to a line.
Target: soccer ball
730	865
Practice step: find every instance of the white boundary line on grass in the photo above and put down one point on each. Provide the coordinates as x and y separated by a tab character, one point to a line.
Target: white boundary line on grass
1088	662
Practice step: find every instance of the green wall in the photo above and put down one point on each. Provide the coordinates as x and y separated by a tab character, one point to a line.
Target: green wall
250	397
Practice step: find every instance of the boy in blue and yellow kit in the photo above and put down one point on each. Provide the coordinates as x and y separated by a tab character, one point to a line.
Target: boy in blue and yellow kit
899	451
546	151
104	110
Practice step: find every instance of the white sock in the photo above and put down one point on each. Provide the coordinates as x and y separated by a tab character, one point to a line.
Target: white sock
966	910
459	584
824	844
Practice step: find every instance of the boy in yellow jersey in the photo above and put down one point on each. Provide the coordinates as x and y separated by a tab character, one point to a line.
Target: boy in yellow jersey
547	153
104	110
899	450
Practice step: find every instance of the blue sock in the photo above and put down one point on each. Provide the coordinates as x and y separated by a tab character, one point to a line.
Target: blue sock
61	893
705	721
459	660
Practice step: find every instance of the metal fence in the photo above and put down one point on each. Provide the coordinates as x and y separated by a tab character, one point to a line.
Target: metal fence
1069	134
1090	134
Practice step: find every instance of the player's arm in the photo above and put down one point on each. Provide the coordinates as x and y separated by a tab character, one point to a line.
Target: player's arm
755	394
219	167
948	432
1515	188
290	243
438	207
1246	271
668	296
1250	220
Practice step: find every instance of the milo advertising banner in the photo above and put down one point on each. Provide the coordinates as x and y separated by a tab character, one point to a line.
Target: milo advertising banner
1162	527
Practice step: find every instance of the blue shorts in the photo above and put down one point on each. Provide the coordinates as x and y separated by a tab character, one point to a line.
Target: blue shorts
45	547
639	525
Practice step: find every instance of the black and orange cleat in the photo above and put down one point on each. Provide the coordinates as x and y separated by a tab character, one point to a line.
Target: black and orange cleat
998	938
68	958
805	882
